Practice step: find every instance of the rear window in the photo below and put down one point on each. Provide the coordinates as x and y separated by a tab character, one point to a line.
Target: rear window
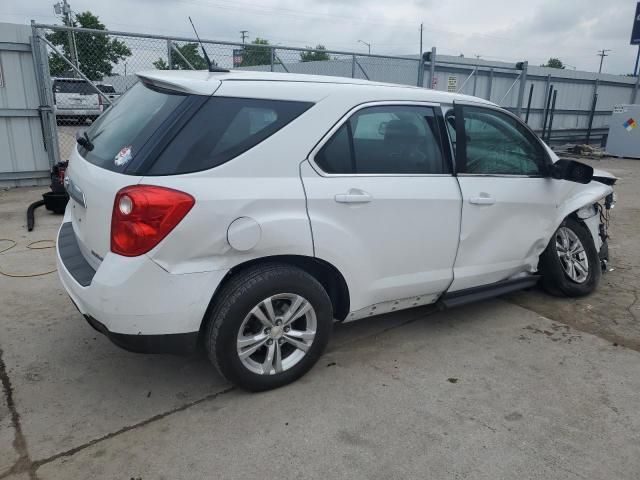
120	133
73	86
222	129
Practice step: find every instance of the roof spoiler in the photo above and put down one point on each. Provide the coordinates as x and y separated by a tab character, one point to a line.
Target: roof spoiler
160	84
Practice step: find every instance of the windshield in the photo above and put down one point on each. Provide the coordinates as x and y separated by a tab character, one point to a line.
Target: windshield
119	133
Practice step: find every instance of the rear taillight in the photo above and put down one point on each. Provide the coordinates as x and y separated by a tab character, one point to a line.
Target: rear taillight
143	215
100	104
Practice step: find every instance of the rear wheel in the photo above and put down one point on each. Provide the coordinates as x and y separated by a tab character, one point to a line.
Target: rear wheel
269	326
570	264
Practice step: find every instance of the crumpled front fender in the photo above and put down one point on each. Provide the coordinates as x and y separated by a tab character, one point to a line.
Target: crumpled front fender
583	196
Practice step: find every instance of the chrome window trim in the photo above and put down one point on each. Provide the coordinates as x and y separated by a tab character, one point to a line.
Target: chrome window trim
506	175
381	103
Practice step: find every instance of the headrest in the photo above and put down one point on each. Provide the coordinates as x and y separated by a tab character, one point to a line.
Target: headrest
400	130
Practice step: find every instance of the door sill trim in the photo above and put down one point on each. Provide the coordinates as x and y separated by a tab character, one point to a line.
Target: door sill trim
483	292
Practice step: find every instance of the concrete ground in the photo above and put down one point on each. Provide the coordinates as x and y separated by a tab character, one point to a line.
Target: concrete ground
527	386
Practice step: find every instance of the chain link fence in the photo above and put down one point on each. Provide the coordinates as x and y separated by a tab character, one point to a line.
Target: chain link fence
90	69
83	71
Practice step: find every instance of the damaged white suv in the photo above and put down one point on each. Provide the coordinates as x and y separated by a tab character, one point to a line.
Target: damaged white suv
249	211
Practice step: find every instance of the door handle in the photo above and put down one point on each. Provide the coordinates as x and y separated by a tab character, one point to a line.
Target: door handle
353	196
482	199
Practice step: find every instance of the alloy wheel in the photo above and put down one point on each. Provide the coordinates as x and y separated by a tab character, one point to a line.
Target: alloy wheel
572	255
276	334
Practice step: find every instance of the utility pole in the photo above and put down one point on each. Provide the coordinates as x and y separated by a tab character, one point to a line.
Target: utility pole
64	9
244	34
602	53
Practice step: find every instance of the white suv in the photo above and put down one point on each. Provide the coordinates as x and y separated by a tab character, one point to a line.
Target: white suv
249	211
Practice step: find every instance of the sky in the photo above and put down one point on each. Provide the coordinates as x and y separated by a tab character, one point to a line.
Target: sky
533	30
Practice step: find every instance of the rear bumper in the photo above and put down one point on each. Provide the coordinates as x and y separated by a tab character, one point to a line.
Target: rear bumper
134	297
176	343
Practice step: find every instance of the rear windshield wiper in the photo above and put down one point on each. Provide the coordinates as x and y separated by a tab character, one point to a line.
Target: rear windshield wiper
83	140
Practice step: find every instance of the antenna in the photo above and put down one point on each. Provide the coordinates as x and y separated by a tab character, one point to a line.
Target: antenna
210	65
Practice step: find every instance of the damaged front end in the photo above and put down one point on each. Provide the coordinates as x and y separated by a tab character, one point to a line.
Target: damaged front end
597	217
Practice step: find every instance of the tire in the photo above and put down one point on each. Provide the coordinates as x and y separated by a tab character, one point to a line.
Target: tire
242	304
559	278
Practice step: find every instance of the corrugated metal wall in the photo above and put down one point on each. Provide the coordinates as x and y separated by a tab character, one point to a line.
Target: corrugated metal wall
23	159
493	81
574	97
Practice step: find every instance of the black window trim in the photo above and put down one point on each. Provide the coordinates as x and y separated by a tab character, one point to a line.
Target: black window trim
461	141
444	140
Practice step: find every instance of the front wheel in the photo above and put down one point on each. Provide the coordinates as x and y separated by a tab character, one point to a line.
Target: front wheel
570	265
269	326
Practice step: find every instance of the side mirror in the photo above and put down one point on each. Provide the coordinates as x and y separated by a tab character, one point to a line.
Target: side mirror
572	171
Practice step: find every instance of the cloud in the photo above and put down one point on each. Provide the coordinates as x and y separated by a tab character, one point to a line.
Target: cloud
572	30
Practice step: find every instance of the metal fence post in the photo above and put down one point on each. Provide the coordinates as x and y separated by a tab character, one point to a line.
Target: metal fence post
45	95
593	110
473	72
509	89
526	118
475	80
353	66
432	67
546	109
544	100
523	82
553	111
490	85
634	93
595	96
169	54
271	55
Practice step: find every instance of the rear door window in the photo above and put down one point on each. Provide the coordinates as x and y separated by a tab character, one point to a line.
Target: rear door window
394	139
222	129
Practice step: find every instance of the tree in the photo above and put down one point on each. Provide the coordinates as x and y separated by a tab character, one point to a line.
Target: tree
191	52
97	53
319	54
254	55
554	63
